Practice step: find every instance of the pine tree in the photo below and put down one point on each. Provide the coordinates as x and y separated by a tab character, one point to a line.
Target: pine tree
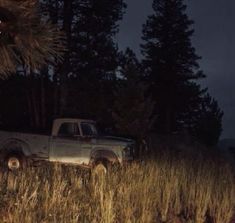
171	64
95	58
85	80
133	110
25	39
208	127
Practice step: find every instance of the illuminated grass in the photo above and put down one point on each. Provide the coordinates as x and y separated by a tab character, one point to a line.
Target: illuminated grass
169	189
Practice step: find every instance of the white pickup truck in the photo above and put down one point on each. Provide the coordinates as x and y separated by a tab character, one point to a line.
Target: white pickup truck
73	141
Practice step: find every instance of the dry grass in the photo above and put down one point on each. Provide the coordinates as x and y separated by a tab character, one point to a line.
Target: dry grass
174	188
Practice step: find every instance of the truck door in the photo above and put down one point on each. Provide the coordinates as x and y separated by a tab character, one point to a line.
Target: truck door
67	147
88	137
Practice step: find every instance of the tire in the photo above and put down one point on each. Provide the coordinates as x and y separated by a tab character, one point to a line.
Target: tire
100	167
99	171
15	162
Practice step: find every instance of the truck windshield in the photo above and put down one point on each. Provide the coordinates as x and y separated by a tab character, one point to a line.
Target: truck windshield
89	129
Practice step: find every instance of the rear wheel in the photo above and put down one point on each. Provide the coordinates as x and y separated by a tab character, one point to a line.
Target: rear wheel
15	162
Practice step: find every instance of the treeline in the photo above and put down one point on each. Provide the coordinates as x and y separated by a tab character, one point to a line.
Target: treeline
159	93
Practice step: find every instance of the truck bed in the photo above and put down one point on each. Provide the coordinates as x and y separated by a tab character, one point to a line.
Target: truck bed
37	145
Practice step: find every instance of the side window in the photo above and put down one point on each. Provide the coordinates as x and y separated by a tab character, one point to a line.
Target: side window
68	129
87	129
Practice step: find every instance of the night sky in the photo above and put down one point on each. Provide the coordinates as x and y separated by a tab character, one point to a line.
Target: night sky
214	40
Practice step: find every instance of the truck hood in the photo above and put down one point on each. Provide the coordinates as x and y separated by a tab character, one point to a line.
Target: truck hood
112	140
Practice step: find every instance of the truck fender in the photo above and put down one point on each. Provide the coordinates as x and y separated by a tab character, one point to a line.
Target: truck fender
103	154
15	145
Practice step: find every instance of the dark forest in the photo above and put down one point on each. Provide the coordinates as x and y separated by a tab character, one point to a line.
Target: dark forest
159	93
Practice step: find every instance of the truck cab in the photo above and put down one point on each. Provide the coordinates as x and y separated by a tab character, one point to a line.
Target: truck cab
77	141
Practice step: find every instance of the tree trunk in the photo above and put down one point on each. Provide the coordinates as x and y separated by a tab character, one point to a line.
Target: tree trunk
43	103
168	119
67	26
30	109
35	107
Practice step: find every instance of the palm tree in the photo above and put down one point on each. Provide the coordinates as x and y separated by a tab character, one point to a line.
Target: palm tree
25	38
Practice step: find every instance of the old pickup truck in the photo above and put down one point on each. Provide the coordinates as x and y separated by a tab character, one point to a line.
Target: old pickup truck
73	141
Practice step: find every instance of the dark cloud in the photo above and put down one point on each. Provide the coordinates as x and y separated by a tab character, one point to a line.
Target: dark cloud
214	40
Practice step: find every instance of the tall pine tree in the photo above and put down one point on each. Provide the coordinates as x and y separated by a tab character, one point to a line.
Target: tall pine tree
95	58
171	65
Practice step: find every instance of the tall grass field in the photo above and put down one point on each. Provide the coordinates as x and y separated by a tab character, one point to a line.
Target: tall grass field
172	187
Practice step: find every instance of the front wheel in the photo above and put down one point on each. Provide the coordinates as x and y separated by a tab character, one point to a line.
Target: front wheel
100	168
99	171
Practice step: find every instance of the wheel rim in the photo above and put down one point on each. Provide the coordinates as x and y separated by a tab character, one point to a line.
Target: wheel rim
13	163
